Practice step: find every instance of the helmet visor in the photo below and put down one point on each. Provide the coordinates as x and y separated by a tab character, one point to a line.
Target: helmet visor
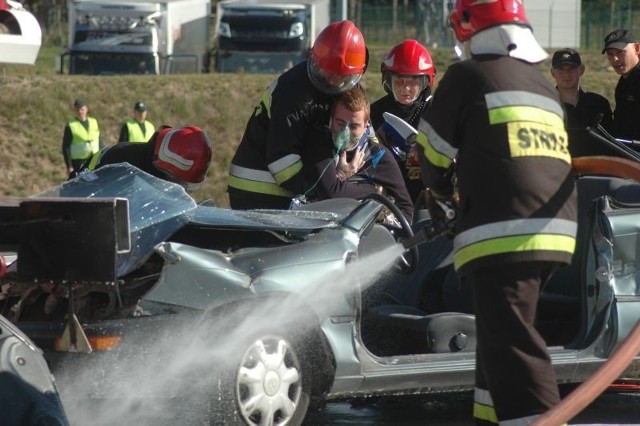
407	88
330	84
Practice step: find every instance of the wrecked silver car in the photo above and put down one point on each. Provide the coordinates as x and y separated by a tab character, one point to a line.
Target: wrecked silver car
279	310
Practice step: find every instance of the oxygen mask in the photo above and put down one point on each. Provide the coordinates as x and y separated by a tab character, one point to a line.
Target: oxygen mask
343	140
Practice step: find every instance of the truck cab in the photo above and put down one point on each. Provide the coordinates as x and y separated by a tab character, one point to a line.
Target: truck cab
267	36
137	37
114	45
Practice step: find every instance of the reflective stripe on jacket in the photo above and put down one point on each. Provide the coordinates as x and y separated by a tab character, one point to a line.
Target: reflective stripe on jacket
253	180
84	141
135	131
503	123
268	161
95	158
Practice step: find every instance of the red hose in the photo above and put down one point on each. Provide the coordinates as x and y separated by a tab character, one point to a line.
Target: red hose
607	166
591	388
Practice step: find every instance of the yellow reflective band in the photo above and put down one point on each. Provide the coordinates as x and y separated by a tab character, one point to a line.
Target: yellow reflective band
520	98
528	139
287	173
485	413
259	187
524	113
514	244
515	227
264	103
94	160
433	156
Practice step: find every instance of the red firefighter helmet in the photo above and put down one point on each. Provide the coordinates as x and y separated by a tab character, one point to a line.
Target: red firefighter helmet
338	58
408	58
183	154
471	16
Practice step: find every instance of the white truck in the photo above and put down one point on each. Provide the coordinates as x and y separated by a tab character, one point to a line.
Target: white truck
556	24
20	34
137	37
267	36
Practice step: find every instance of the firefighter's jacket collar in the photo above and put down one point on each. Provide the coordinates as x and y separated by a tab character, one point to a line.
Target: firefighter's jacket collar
497	40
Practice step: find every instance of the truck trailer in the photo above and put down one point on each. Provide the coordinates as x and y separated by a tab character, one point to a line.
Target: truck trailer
267	36
137	37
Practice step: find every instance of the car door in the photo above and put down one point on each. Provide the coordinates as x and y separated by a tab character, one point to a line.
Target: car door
616	241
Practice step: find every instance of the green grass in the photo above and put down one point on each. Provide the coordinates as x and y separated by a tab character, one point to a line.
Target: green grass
35	104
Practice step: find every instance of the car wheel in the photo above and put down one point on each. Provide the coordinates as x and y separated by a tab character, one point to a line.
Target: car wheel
266	379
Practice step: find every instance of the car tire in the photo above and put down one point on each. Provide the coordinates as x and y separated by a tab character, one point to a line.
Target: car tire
266	379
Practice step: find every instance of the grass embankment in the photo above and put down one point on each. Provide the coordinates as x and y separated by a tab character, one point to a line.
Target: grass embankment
35	104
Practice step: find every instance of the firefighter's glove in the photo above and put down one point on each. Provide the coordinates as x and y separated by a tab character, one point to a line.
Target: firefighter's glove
443	208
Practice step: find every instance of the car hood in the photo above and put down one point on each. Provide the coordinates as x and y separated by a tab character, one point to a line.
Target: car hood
158	209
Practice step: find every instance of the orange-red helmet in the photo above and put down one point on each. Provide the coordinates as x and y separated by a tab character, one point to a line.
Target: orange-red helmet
408	58
338	58
470	16
183	154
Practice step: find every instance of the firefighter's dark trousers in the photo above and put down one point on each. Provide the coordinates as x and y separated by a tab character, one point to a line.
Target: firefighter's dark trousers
514	378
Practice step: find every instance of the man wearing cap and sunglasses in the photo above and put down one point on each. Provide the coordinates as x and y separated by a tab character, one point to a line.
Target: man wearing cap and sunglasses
137	129
622	52
583	109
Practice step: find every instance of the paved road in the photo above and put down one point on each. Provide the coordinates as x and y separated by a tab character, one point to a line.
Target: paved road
438	410
455	410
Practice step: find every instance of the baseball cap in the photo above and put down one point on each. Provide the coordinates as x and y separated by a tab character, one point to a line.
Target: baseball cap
566	56
618	39
140	106
79	103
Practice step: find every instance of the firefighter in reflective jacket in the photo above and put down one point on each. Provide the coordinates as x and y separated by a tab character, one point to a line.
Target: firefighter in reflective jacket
503	122
266	170
81	137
